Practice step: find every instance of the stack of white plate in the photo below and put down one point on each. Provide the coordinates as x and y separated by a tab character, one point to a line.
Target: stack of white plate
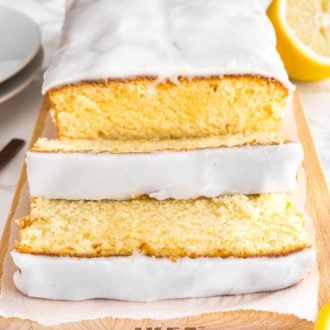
20	52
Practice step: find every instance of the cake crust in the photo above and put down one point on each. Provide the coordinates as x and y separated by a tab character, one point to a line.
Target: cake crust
155	145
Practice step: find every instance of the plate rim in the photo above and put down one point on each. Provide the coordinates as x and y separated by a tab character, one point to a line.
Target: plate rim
34	50
23	80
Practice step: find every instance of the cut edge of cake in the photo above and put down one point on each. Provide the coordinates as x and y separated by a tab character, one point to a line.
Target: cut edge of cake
227	226
145	108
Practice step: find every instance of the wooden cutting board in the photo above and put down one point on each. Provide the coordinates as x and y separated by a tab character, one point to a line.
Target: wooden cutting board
318	206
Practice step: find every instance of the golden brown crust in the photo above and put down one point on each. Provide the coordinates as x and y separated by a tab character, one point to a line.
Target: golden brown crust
144	146
149	253
251	77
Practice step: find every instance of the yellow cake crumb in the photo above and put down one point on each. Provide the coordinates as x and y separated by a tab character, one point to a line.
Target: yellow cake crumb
143	108
227	226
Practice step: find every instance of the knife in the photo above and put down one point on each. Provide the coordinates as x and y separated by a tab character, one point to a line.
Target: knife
9	151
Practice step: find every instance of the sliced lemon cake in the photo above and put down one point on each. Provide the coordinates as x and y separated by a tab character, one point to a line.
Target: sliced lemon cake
166	69
78	169
167	177
130	249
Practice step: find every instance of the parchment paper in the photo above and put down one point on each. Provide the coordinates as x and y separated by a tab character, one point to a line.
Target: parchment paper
300	300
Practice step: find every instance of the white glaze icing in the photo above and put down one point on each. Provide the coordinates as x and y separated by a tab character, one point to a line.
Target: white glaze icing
164	38
141	278
164	174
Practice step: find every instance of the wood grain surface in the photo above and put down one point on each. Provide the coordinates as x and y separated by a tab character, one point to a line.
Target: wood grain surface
318	206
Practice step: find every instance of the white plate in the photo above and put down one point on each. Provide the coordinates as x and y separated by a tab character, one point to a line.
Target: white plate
19	42
14	85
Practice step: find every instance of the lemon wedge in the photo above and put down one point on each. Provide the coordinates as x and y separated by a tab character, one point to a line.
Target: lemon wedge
303	37
323	319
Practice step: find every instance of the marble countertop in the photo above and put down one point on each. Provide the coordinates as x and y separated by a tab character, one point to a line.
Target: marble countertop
18	115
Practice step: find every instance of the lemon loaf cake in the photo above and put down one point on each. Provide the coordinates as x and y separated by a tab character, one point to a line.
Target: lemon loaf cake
148	250
80	170
167	178
166	69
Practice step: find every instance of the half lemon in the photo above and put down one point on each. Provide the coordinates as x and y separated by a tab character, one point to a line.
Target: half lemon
303	37
323	319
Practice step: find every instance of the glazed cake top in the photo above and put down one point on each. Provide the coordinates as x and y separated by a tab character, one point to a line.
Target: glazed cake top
111	39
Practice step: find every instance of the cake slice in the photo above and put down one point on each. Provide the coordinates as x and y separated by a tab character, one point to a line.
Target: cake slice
149	250
165	69
79	169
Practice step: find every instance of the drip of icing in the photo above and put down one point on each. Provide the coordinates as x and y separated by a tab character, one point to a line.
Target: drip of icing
166	39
